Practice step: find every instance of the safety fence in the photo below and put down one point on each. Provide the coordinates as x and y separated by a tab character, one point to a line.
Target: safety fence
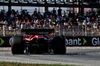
65	30
81	30
6	32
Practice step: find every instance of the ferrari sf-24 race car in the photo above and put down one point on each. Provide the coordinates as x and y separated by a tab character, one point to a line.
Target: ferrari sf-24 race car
38	41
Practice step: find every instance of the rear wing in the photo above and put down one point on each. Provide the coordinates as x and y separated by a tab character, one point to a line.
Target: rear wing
37	31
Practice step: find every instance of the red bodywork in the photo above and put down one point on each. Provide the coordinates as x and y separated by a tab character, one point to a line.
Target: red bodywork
32	37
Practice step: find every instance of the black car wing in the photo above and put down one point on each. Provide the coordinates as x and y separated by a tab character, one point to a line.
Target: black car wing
37	31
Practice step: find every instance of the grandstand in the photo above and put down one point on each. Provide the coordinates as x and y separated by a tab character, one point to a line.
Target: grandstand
72	23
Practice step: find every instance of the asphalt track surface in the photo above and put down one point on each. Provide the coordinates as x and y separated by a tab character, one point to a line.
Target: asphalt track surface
74	57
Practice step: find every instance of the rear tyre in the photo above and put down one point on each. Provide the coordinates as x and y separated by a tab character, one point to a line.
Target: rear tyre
17	45
58	44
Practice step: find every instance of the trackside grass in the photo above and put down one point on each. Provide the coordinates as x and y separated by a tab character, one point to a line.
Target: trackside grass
23	64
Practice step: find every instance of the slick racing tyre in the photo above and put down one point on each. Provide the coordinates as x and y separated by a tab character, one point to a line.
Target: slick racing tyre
17	45
58	44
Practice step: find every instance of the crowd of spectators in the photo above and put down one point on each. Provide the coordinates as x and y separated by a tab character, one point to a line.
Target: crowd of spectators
16	20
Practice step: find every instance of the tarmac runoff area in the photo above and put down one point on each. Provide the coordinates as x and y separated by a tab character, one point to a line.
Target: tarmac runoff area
85	56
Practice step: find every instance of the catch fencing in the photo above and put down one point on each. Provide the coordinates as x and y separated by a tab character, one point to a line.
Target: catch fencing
65	30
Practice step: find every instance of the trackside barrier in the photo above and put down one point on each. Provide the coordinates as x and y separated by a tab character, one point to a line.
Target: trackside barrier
4	41
81	41
65	30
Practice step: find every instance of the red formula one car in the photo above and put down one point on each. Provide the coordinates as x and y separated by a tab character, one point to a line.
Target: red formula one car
38	41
